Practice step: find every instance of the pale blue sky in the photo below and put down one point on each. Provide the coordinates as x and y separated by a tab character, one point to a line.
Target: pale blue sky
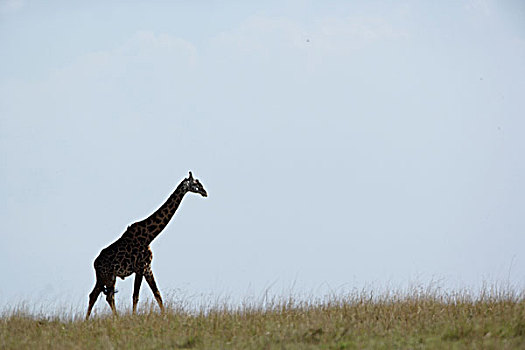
342	143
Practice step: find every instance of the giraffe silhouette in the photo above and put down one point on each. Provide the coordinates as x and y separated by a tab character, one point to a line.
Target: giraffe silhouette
131	253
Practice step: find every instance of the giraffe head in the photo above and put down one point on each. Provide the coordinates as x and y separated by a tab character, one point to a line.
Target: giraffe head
194	185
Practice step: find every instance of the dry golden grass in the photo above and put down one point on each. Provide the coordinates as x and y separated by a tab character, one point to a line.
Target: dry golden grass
419	319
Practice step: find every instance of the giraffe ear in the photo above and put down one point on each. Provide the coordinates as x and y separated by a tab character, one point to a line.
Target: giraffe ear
191	176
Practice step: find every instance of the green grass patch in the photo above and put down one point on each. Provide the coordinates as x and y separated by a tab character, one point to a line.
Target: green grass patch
360	320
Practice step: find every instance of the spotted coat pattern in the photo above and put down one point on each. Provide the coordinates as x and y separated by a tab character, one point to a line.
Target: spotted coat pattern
131	253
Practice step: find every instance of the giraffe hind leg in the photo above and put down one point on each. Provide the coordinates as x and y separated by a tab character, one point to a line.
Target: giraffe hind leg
110	295
93	296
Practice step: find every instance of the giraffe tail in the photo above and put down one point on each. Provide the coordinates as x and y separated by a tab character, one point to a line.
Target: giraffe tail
106	291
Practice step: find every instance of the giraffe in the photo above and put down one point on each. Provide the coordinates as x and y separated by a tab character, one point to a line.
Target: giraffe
131	253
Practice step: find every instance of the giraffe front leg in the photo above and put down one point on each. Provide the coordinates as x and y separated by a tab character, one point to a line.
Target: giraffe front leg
151	282
136	289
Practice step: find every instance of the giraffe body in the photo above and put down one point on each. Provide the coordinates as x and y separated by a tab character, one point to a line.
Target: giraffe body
131	253
124	257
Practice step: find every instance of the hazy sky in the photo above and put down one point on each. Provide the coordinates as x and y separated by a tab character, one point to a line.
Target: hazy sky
342	143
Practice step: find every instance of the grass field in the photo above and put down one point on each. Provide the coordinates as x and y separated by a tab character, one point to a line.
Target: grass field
418	319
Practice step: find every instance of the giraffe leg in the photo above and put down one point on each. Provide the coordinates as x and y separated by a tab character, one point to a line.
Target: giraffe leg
93	296
110	295
136	289
151	282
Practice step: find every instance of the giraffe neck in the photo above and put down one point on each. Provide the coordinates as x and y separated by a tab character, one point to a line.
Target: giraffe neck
156	222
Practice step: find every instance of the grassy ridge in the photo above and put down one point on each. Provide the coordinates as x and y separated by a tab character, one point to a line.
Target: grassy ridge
356	321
